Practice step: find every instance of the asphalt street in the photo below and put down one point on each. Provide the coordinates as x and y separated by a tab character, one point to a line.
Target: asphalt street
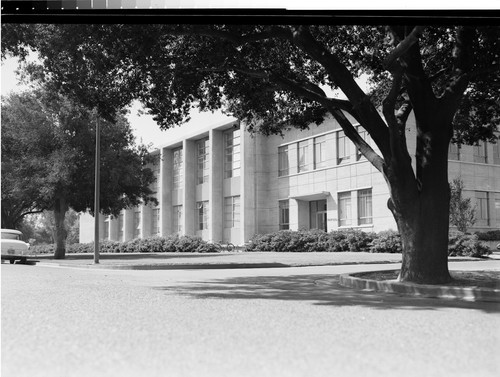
235	322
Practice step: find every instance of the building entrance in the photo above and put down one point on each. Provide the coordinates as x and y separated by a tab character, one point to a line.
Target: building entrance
317	215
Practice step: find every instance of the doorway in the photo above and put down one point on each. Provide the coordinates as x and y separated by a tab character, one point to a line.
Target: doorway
317	215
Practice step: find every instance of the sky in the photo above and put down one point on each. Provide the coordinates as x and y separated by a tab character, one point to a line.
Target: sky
144	127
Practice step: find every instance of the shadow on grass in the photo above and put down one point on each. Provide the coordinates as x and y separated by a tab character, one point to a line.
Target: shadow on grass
318	290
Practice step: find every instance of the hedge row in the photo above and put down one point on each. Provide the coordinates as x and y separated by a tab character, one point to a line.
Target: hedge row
460	244
170	244
491	235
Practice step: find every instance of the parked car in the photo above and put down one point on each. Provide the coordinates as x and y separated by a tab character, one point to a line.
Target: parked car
12	243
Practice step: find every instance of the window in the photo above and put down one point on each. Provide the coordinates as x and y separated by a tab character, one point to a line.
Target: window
496	152
480	152
202	215
283	162
319	152
202	161
137	223
177	220
366	137
284	215
302	155
155	224
232	153
344	205
120	227
482	208
454	152
177	171
365	207
343	147
232	212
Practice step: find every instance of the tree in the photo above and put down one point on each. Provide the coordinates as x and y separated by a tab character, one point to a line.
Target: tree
48	149
273	77
40	227
462	213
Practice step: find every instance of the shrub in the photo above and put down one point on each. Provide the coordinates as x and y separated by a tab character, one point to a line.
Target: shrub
313	240
42	249
468	245
386	242
491	235
109	247
80	248
349	240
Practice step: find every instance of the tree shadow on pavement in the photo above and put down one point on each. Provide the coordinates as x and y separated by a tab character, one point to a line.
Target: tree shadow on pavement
317	289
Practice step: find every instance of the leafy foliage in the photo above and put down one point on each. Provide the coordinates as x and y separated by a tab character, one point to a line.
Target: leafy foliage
313	240
387	242
467	245
462	213
48	148
170	244
40	228
491	235
231	67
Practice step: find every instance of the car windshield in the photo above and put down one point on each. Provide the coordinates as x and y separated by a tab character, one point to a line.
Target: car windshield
9	236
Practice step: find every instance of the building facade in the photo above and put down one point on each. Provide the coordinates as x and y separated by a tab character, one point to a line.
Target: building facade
225	185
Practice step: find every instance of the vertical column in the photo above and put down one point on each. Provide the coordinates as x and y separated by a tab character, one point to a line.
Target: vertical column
189	184
215	181
248	187
165	191
113	229
102	224
303	214
128	224
294	214
146	220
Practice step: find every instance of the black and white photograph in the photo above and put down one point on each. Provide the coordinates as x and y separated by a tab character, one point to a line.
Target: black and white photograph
217	189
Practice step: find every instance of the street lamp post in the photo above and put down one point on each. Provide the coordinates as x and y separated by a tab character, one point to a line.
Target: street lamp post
97	190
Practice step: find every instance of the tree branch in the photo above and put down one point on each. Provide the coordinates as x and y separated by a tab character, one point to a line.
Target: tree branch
353	135
402	47
314	93
463	64
368	116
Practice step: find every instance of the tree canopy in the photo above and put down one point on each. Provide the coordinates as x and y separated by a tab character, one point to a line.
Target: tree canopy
273	76
48	149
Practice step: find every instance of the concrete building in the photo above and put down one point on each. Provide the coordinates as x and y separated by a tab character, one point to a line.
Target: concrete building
225	185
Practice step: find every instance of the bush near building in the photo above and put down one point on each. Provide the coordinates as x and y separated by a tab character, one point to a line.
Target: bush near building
460	244
491	235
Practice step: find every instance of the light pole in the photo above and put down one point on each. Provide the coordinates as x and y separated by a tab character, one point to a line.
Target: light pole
97	189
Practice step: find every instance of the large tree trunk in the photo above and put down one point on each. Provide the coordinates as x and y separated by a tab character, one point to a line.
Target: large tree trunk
424	234
60	209
420	205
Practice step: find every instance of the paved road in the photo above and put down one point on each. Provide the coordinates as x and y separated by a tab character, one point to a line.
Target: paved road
240	322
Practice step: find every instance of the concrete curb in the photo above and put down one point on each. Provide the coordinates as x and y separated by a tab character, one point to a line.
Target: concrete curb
164	266
420	290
